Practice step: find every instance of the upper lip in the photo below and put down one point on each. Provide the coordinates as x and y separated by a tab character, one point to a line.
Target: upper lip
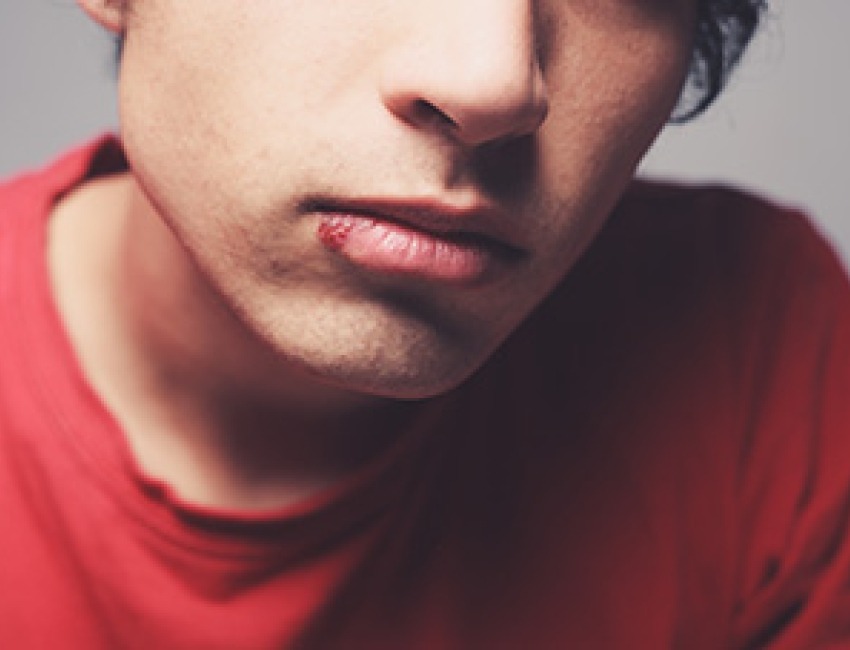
472	221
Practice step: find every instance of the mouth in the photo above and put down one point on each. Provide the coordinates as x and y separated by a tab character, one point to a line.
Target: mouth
430	241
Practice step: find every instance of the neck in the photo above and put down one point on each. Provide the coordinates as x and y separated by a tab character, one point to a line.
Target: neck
206	407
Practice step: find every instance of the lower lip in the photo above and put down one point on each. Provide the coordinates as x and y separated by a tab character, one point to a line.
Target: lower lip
392	248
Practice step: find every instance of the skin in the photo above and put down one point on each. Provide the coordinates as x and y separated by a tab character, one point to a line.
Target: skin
248	363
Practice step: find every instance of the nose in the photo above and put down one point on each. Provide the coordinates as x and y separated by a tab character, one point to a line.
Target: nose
469	68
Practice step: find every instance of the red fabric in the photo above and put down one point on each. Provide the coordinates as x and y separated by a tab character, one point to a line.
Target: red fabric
659	458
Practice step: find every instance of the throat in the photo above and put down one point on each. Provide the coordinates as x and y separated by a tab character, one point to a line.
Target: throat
242	453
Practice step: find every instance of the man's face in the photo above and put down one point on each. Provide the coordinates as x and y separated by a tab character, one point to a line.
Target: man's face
383	189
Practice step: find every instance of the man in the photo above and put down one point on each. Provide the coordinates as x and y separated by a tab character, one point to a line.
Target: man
336	365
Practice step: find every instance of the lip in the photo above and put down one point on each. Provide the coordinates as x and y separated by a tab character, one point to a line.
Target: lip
431	240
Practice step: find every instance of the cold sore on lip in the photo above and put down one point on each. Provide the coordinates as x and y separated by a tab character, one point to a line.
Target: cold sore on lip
387	246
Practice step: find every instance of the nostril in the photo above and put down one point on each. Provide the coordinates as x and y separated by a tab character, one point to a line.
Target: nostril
424	113
495	121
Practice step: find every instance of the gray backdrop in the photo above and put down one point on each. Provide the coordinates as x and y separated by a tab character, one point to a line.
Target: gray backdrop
779	129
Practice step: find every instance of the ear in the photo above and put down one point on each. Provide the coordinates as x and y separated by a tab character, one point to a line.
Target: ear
109	13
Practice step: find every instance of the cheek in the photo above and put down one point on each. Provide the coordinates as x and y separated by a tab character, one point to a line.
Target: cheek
606	110
610	95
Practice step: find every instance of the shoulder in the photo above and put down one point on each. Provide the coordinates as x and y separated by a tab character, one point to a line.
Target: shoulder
35	190
715	246
722	223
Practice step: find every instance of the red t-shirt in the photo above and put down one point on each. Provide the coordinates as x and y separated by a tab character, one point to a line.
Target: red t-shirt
659	458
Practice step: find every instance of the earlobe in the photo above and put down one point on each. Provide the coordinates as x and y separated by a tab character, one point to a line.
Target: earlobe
109	13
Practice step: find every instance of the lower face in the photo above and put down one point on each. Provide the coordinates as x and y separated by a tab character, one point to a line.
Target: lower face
263	135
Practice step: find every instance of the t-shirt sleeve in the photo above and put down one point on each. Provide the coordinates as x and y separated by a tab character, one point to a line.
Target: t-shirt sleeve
793	481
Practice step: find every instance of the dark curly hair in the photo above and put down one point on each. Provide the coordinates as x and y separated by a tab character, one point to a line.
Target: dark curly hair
724	27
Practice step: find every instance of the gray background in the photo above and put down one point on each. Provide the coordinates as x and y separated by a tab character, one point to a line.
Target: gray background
779	129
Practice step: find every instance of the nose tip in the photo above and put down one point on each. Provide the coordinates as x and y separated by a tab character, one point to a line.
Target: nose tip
472	115
477	86
508	113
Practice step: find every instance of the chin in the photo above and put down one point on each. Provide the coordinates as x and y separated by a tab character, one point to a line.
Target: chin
386	357
403	374
401	383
